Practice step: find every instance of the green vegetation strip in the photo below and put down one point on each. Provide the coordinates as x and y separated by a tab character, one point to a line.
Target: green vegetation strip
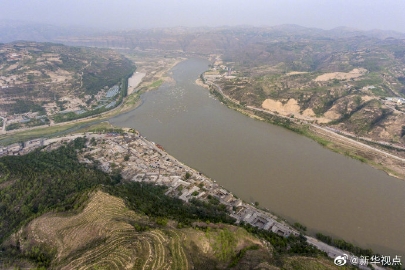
235	260
151	200
342	244
285	245
156	84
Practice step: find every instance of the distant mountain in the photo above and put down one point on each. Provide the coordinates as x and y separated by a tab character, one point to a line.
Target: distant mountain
345	32
202	39
11	30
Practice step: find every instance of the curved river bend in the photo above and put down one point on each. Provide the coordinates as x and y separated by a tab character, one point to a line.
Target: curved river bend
289	174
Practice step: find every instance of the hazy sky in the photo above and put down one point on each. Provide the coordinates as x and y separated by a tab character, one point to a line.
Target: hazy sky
130	14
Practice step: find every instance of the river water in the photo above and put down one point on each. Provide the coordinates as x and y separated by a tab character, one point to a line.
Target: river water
289	174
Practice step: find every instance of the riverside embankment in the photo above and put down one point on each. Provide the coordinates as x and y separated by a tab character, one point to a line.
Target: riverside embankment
335	140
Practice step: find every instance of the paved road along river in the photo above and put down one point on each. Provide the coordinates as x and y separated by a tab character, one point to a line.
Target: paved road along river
289	174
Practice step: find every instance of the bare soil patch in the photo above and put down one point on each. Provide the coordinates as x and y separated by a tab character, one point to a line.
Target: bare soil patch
292	108
355	73
59	76
285	109
295	73
134	81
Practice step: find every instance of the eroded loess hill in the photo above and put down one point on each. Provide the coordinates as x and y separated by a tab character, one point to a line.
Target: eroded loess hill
108	235
38	81
355	84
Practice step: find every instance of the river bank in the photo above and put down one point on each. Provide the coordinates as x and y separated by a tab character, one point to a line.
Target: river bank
389	163
149	77
134	81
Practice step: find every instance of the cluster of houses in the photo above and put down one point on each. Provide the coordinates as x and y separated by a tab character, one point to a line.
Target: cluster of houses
106	100
21	148
397	100
102	98
218	72
143	161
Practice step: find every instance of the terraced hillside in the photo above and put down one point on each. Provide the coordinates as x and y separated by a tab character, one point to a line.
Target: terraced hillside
107	235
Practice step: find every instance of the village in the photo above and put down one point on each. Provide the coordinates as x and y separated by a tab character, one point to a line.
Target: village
44	84
143	161
105	99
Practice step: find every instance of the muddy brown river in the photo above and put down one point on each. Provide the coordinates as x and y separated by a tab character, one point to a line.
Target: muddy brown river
289	174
